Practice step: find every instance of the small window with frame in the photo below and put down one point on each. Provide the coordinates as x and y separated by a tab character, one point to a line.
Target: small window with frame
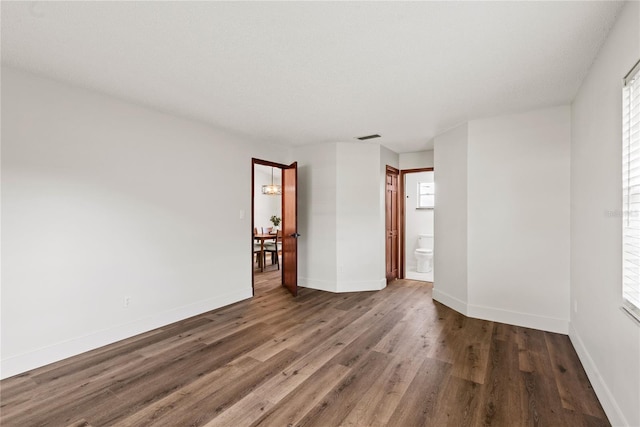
426	195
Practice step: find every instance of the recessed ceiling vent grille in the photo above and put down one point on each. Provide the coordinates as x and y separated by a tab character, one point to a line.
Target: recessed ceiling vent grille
364	138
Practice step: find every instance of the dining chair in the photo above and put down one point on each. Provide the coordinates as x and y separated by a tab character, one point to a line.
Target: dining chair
257	250
274	247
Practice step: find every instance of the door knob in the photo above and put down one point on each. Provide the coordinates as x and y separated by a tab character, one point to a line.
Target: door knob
295	235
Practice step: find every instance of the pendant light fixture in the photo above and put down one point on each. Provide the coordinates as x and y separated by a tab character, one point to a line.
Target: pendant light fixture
271	190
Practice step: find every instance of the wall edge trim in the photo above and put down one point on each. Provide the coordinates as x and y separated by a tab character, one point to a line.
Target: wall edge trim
607	399
516	318
449	300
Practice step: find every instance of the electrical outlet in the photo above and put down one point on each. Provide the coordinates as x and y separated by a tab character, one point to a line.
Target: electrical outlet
127	301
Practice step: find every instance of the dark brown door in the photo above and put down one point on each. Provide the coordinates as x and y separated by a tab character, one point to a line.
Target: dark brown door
391	223
290	228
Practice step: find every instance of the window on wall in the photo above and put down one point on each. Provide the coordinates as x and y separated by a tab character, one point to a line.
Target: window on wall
426	196
631	192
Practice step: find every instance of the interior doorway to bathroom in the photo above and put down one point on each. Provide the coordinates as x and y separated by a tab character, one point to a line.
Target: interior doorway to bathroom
417	219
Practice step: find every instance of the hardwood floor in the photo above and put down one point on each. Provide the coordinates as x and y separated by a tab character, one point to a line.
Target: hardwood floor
388	358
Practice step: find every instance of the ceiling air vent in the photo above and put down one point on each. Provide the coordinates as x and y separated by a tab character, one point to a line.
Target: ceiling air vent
364	138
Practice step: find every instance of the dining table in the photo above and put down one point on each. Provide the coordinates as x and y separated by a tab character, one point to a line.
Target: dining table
263	237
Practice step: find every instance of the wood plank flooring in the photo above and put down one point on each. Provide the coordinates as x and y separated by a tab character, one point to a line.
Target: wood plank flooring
388	358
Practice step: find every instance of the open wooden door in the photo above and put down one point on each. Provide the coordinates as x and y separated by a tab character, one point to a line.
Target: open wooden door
391	223
290	228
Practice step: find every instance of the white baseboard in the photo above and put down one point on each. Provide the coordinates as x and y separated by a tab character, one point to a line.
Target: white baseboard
607	400
342	286
414	275
319	285
21	363
449	300
527	320
503	316
362	286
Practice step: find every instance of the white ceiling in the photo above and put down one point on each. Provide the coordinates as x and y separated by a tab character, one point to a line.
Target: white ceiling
311	72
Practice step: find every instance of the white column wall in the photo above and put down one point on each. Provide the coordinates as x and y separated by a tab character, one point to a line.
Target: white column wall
104	200
359	223
341	215
501	249
317	216
607	341
450	219
518	219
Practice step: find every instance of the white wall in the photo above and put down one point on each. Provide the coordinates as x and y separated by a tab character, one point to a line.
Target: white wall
417	221
502	219
450	218
607	341
341	215
416	160
359	248
518	218
265	206
317	211
104	200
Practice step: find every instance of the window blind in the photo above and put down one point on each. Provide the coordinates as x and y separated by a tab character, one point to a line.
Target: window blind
631	191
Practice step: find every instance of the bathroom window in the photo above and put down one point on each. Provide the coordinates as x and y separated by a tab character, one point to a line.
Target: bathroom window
631	192
426	195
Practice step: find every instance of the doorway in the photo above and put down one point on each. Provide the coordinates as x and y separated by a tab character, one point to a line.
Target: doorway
417	219
391	224
274	223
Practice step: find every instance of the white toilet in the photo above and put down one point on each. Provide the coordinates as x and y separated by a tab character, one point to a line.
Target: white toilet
424	253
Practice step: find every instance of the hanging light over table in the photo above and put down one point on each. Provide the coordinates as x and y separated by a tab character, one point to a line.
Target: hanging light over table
271	190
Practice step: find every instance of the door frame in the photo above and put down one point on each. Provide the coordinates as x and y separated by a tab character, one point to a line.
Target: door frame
254	162
402	216
393	171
